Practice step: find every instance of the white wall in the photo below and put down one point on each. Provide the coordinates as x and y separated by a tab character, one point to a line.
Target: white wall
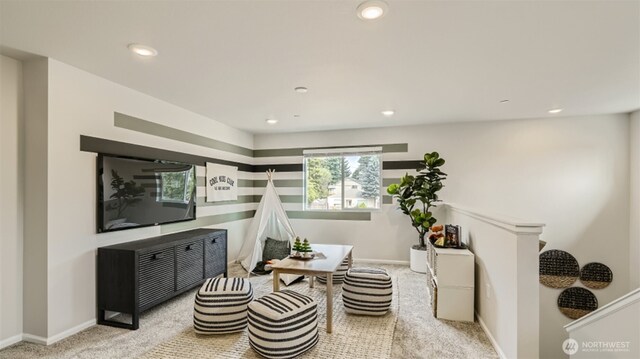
634	209
34	283
570	173
11	205
83	104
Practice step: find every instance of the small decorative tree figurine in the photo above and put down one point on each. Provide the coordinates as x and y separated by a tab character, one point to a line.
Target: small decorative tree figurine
297	247
306	248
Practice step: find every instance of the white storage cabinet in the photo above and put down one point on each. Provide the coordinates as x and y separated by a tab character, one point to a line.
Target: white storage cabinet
450	279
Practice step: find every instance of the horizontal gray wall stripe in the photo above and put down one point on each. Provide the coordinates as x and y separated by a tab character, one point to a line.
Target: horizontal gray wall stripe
200	201
386	199
152	128
245	183
137	124
287	167
278	183
345	216
284	198
116	148
402	165
297	167
282	152
386	182
206	221
200	182
283	183
287	198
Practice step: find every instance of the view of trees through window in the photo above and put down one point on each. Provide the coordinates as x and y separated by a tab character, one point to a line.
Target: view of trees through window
177	186
350	181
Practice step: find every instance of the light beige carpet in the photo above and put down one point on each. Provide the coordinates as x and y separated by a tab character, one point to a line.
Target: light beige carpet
353	336
417	334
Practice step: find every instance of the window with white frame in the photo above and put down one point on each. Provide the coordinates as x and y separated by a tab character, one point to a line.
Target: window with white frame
343	179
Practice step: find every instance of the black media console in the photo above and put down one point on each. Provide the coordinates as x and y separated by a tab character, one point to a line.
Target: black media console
135	276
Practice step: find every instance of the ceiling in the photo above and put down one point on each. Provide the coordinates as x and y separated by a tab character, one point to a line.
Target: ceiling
432	61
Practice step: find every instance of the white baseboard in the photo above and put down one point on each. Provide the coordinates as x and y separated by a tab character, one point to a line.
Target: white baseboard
380	261
71	331
493	341
34	339
10	341
58	337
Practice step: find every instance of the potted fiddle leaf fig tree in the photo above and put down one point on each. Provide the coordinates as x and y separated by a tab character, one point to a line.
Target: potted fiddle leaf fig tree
416	196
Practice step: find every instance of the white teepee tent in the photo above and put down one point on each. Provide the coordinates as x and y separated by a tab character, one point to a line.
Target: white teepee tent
270	221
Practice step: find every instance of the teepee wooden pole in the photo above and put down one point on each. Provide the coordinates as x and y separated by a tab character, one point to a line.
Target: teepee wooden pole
270	173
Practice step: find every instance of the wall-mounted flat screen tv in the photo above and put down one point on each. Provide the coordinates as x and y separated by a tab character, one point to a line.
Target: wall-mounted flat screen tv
135	193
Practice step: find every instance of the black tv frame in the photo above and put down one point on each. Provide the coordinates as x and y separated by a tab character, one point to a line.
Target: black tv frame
100	193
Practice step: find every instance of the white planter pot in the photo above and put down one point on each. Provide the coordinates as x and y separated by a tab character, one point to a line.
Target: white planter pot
418	260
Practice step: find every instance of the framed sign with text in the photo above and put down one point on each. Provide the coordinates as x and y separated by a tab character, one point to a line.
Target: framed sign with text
222	183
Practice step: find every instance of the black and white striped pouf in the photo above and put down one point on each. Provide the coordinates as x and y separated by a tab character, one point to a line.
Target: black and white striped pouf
338	275
221	306
283	324
367	291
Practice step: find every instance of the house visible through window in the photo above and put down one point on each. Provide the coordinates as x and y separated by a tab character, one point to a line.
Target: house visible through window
343	179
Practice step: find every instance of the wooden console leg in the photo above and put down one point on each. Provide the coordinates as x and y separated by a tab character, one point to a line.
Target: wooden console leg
135	320
276	280
329	302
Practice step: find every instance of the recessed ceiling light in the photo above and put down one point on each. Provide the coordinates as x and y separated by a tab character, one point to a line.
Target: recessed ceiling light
143	50
372	9
388	113
271	121
555	110
504	101
301	89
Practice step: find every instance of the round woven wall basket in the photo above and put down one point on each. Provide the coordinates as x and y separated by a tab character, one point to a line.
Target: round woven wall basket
558	269
596	275
577	302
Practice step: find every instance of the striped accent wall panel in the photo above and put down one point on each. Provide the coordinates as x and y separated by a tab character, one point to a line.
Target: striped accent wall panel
283	324
367	291
287	162
221	306
338	275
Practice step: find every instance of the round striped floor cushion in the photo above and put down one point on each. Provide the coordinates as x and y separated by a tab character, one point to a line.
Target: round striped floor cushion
367	291
338	275
283	324
221	306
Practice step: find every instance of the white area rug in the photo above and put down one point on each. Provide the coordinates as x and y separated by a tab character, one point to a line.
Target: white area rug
353	336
